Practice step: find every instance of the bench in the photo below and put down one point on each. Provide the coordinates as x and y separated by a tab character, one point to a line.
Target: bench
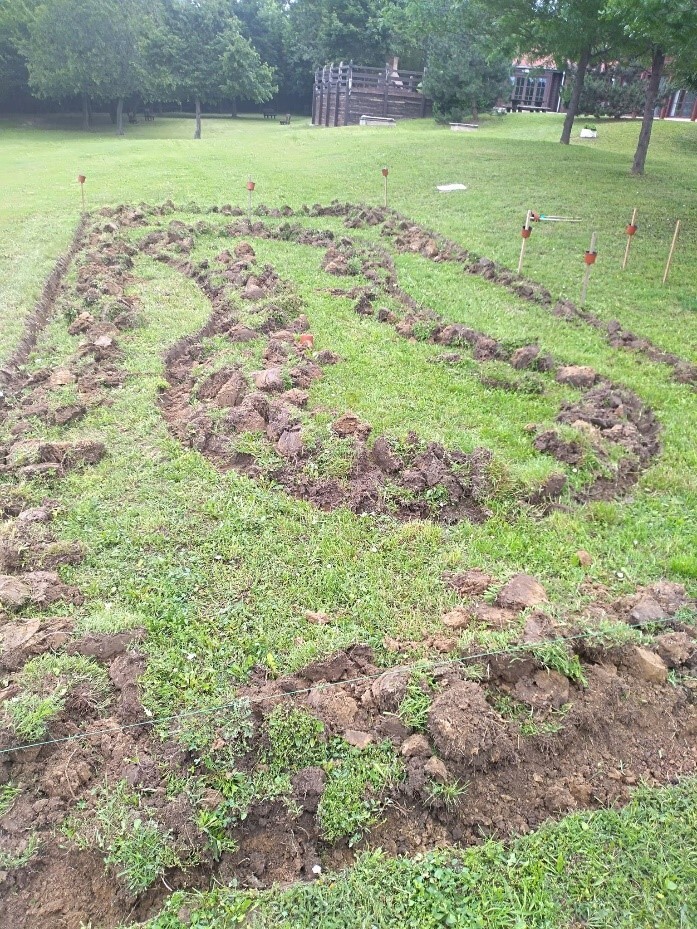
269	112
286	120
376	121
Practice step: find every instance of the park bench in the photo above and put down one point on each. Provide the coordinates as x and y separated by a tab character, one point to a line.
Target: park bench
269	112
286	120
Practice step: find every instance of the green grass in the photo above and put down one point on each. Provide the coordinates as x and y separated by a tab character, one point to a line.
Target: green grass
635	867
122	827
221	569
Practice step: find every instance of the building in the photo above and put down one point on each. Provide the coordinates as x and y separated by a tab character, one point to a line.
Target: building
681	105
537	86
344	93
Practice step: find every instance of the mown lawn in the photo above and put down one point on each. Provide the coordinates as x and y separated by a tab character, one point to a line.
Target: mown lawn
222	569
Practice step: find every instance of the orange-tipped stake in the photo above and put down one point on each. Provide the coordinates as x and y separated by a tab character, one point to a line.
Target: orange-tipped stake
589	259
631	231
81	181
526	235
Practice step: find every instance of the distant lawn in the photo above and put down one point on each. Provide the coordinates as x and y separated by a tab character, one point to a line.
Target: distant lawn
511	164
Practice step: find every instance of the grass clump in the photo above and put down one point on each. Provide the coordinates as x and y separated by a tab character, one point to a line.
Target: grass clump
8	795
56	675
216	739
295	740
355	780
28	714
124	830
12	862
413	710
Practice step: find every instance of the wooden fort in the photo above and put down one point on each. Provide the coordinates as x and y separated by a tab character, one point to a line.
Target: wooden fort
344	93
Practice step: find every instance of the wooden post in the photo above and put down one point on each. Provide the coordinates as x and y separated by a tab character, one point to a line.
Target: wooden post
250	189
81	181
526	236
672	251
589	258
385	172
631	229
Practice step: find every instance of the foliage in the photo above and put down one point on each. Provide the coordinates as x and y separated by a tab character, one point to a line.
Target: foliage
355	780
125	831
8	795
12	862
90	47
467	62
622	868
612	94
413	710
28	714
210	59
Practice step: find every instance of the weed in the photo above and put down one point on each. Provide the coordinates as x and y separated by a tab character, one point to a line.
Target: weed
8	795
216	739
355	780
10	862
28	714
215	824
126	833
56	675
413	710
295	740
447	795
556	656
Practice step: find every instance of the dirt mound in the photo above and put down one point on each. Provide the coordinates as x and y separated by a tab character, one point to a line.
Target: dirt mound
424	481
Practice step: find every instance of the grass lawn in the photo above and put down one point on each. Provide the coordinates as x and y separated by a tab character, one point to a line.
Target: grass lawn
221	569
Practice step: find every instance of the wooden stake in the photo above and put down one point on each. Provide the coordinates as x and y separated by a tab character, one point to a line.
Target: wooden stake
524	242
632	223
385	191
672	251
589	265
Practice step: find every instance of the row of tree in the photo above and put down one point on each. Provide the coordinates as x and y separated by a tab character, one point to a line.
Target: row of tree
210	51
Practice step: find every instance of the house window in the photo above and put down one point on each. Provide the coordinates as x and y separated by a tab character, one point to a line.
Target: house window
540	91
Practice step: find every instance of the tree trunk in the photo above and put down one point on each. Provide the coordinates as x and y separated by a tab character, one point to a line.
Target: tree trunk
119	116
233	108
475	111
86	114
575	96
657	63
197	130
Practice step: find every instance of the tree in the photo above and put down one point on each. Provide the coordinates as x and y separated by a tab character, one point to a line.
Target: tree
615	92
572	32
664	31
211	59
466	68
462	76
90	48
